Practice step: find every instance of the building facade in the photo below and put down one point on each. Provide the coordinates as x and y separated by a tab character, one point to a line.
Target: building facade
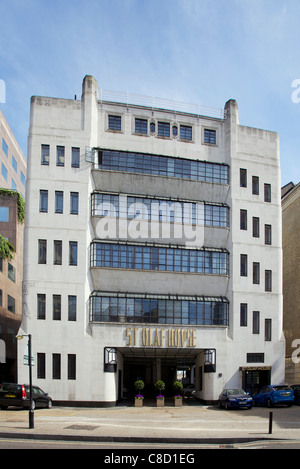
12	191
291	279
153	248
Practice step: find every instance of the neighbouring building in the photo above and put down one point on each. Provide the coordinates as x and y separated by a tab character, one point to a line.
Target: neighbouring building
12	190
153	248
291	279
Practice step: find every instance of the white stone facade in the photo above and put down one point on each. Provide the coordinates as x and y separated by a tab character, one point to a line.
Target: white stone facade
123	263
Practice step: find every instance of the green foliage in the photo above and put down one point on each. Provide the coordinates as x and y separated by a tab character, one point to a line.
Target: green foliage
177	387
20	202
6	249
139	385
159	386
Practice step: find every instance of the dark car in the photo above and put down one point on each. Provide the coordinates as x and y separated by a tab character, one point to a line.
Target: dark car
235	398
274	394
189	391
296	389
19	395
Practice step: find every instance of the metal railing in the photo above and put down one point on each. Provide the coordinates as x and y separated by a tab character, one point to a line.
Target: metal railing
159	103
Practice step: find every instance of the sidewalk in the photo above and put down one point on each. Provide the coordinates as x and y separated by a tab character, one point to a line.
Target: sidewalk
187	424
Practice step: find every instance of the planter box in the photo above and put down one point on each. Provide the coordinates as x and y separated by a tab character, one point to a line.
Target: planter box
138	402
160	402
178	401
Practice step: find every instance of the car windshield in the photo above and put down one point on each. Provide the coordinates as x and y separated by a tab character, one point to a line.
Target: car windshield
232	392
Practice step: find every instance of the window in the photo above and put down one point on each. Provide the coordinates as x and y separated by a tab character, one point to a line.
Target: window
268	280
14	163
243	314
56	365
57	253
114	123
41	306
59	201
4	171
243	177
11	272
256	273
4	214
210	136
163	129
43	201
22	178
73	253
71	366
255	227
255	322
41	365
56	316
255	185
244	265
11	304
141	126
243	219
174	130
268	234
255	358
60	156
72	307
267	192
45	155
75	159
268	330
74	197
152	127
13	185
42	251
4	147
186	132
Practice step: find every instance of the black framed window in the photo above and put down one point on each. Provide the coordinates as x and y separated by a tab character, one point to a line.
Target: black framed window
71	366
186	132
59	201
41	365
41	306
141	126
268	234
60	155
42	251
268	280
267	192
243	219
56	366
43	201
210	136
72	307
73	253
255	185
255	322
57	252
244	265
256	273
75	157
255	227
243	314
56	314
163	129
243	177
114	122
74	203
45	154
268	330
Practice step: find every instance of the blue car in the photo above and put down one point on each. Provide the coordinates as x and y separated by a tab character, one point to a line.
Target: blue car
274	394
235	398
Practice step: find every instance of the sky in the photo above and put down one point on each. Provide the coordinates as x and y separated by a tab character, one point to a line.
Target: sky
197	51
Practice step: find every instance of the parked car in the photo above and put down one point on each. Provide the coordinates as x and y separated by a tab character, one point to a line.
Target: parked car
235	398
296	389
189	391
274	394
19	395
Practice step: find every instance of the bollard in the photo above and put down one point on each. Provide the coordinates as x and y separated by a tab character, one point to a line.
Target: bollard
270	422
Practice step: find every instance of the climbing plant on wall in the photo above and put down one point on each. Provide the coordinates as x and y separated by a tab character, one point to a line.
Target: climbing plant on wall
6	248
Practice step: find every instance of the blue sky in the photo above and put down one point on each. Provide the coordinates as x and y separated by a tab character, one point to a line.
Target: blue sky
198	51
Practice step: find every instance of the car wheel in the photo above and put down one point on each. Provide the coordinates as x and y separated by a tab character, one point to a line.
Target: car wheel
220	405
227	406
3	407
49	404
269	403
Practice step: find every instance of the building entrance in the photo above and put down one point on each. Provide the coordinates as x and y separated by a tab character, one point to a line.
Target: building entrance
166	365
255	378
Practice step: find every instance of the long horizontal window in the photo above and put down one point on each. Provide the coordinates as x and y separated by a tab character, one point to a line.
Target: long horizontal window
161	309
172	211
162	165
125	256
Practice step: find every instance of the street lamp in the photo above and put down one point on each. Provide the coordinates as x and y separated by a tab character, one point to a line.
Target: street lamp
31	414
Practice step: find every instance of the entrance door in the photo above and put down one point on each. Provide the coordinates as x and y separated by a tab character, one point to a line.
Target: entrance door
253	380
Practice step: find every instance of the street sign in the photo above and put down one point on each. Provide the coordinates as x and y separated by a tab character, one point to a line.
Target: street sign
26	360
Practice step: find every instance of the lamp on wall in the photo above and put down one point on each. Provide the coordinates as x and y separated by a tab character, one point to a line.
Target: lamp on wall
209	360
110	359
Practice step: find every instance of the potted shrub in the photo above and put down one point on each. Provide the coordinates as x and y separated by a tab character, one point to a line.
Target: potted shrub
177	388
139	385
159	388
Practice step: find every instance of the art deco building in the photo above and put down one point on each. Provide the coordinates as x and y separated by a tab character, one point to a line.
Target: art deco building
153	248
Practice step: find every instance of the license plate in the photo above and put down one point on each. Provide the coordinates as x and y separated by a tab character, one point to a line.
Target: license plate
10	395
285	394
